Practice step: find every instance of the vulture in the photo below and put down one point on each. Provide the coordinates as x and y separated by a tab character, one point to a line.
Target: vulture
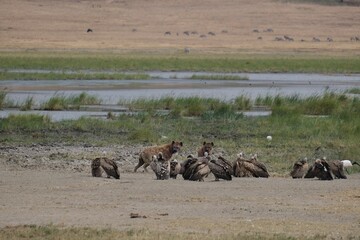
194	169
175	168
249	168
221	168
337	168
161	167
99	165
320	169
300	168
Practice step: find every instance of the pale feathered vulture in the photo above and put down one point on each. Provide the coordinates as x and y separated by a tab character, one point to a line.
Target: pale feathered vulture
99	165
299	169
249	168
194	169
337	168
161	167
175	168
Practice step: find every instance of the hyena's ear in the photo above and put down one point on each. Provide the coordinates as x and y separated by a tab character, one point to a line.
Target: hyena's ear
204	143
212	143
181	144
172	142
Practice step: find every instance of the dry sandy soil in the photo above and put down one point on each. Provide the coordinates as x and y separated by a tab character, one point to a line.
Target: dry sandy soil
120	25
52	184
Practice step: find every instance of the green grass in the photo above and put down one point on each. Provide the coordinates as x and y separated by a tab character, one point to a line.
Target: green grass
192	120
2	99
60	102
353	91
53	232
202	62
218	77
4	75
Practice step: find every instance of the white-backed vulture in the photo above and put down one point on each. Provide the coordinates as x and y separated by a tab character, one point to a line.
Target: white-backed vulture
249	168
175	168
106	164
194	169
161	167
300	168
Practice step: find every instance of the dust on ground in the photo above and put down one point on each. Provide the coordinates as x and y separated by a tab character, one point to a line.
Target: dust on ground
53	184
230	26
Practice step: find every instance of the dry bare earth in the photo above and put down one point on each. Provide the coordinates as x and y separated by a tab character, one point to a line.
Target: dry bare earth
141	25
53	184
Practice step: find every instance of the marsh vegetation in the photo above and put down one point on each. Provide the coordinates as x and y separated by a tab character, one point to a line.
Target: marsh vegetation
326	125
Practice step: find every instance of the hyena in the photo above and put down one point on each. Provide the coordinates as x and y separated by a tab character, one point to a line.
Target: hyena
167	151
206	148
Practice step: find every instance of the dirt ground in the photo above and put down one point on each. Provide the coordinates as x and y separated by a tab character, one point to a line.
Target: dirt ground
53	184
236	26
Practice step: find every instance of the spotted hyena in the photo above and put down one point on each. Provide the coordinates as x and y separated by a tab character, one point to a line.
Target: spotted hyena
167	151
206	148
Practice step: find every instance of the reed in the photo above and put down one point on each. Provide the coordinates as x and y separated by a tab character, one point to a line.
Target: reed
61	102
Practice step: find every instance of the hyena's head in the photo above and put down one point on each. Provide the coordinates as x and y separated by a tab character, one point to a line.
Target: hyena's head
208	147
176	146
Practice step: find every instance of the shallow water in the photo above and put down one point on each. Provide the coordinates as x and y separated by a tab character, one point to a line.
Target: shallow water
175	84
178	84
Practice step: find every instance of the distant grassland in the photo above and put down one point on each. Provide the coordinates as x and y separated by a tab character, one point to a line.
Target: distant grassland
179	62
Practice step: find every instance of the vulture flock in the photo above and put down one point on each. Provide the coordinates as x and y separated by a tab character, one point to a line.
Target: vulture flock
198	168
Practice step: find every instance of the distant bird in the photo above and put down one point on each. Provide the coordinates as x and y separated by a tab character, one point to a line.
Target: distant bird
89	30
288	38
160	166
194	169
321	170
329	39
175	168
99	165
221	168
316	39
167	33
186	50
348	164
300	168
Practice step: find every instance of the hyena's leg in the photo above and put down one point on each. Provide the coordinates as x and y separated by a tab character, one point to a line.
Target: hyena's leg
141	162
145	166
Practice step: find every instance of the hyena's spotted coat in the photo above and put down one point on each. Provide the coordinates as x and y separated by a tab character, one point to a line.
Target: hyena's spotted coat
167	151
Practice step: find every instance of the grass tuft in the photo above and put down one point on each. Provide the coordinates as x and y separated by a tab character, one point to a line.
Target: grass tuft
60	102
